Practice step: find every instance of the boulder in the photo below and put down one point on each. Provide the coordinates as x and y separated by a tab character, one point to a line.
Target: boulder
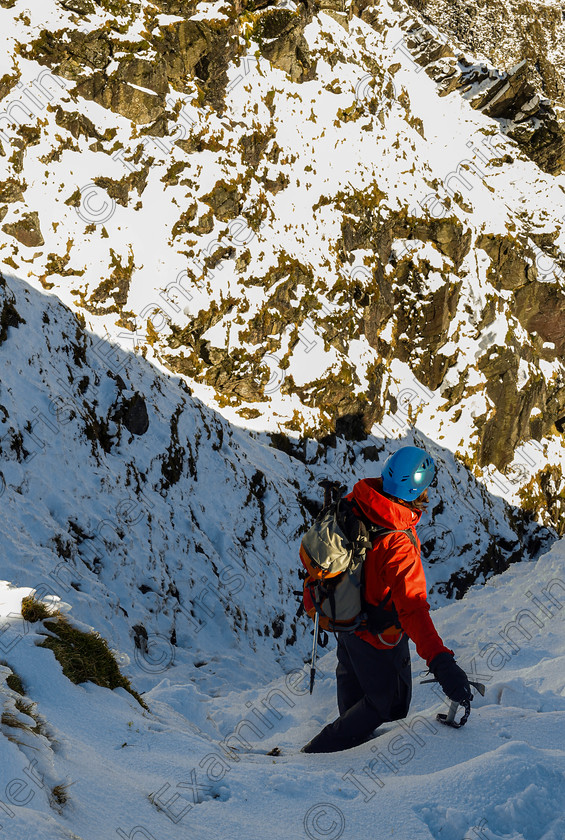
133	414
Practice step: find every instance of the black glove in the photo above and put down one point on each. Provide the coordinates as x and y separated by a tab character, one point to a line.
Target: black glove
451	677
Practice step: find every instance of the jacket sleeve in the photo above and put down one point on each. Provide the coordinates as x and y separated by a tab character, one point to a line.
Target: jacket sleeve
404	575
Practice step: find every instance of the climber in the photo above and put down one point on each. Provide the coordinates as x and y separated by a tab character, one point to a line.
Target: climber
373	673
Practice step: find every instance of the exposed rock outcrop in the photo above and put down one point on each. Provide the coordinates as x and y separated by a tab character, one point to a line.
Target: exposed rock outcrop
26	230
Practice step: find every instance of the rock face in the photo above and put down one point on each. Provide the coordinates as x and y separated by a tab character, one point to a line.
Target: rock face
9	316
26	230
540	308
510	96
512	261
536	128
366	274
225	201
11	190
80	7
507	31
185	50
139	106
184	8
70	51
196	49
280	33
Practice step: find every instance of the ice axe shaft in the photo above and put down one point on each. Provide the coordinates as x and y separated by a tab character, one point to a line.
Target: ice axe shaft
479	686
314	654
450	716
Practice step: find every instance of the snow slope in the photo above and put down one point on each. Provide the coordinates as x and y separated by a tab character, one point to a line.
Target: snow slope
190	528
195	764
102	526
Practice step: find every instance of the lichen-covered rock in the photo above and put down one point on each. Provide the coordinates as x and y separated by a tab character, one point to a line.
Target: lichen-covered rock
253	145
26	230
544	497
143	73
69	51
112	293
120	190
510	96
282	42
275	22
11	190
424	327
555	410
540	308
278	310
184	8
543	139
224	199
506	96
506	31
344	413
7	82
533	122
424	47
182	225
512	262
80	7
80	126
184	47
139	106
446	233
198	49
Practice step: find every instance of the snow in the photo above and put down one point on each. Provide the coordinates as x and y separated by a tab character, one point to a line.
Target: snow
212	558
196	762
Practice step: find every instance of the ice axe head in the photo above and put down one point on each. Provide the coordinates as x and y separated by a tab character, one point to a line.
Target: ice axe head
449	718
332	490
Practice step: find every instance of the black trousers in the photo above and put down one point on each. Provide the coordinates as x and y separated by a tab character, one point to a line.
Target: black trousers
373	686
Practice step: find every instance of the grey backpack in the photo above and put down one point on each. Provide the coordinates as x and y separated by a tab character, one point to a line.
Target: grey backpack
333	552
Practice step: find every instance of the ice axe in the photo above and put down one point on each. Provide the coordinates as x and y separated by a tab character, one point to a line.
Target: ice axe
449	718
332	490
314	654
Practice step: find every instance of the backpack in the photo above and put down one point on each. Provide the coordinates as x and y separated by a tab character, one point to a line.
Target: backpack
333	552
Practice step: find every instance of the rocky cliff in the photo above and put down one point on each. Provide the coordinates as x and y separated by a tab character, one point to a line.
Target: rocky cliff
299	206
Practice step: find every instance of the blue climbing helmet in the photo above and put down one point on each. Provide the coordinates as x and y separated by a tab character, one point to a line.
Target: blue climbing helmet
407	472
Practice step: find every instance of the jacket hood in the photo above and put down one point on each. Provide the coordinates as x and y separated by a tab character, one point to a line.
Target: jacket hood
380	509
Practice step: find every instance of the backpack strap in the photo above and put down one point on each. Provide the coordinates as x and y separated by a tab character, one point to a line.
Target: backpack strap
377	531
374	530
378	619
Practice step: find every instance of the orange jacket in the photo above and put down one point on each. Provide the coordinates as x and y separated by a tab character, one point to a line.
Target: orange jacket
395	565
